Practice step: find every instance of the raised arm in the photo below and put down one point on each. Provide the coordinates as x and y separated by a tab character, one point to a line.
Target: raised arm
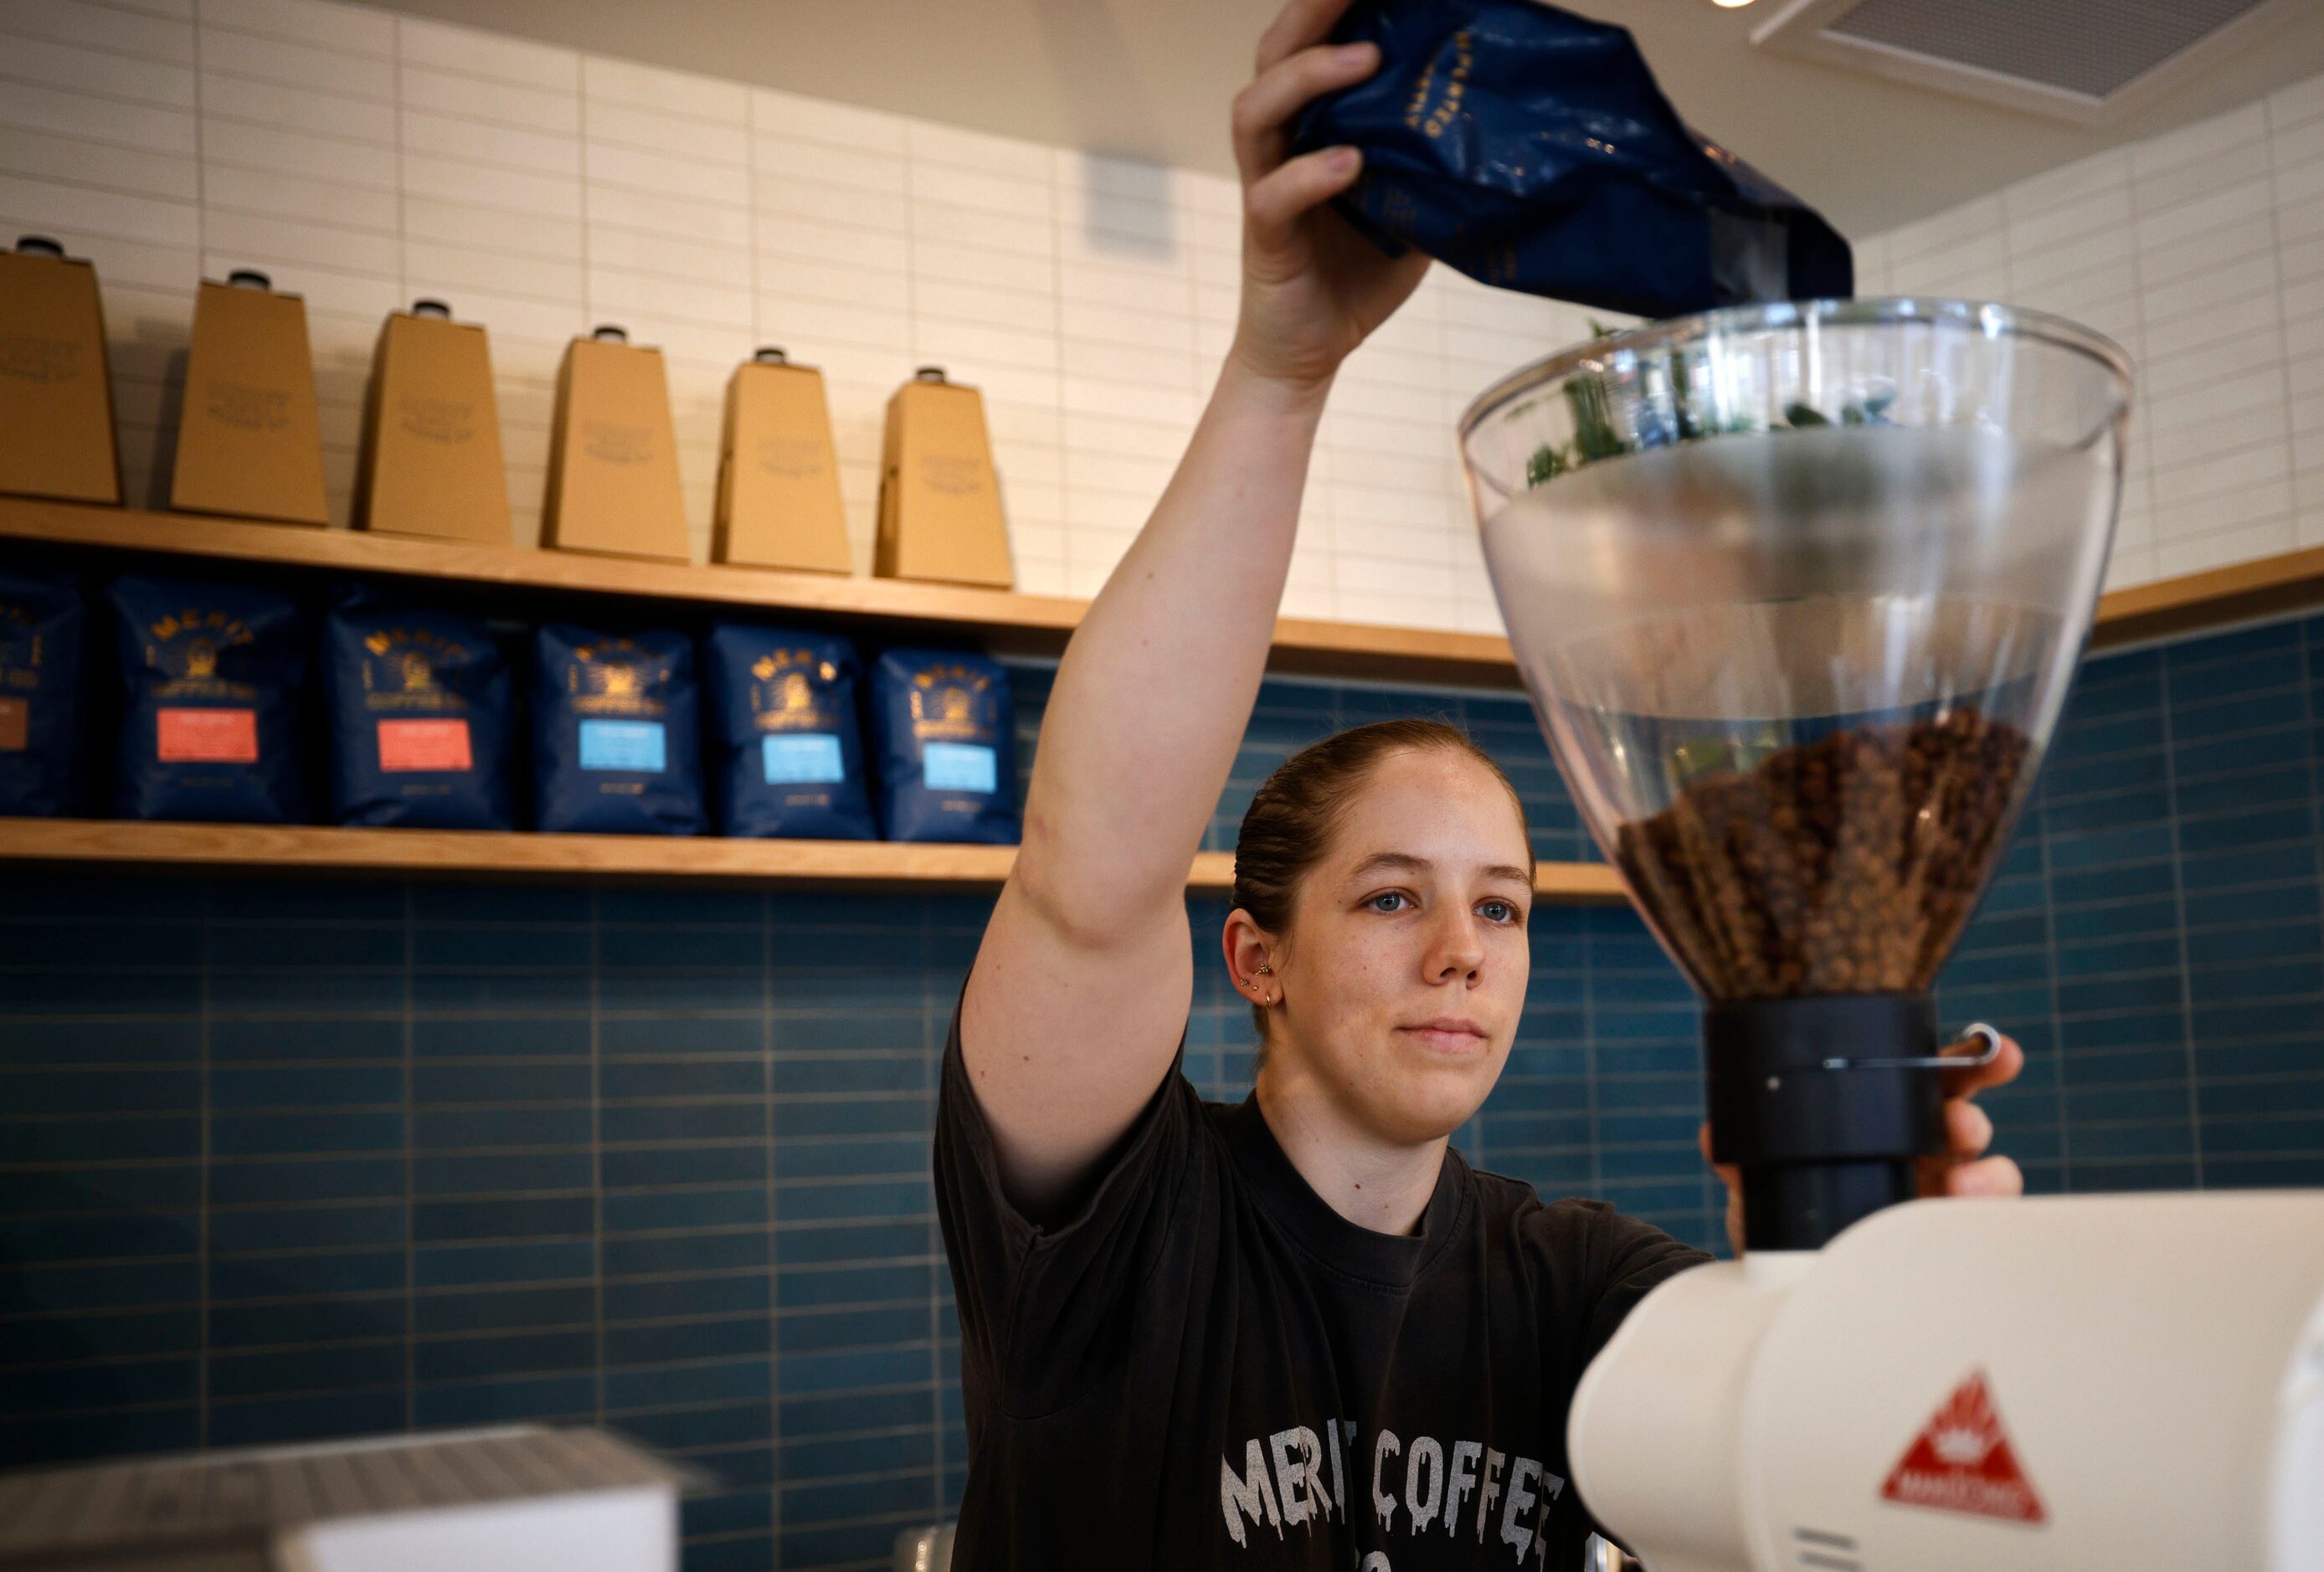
1075	1003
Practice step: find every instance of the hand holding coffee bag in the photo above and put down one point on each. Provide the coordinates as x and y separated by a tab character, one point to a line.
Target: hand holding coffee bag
1530	148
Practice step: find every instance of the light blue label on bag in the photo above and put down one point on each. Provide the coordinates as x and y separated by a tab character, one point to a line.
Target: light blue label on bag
810	756
623	745
956	766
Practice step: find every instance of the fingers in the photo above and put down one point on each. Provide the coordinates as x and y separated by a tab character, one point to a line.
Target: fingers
1968	1128
1990	1176
1273	205
1300	23
2005	1068
1265	108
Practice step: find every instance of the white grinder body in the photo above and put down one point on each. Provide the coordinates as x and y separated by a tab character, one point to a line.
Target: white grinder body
2153	1364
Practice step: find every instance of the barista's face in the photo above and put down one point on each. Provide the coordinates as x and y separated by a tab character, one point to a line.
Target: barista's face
1405	976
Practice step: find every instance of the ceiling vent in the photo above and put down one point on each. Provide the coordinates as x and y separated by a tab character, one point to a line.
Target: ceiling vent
2083	61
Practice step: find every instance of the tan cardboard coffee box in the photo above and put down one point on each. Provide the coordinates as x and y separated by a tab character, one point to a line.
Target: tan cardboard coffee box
249	441
613	453
940	514
56	388
778	475
432	447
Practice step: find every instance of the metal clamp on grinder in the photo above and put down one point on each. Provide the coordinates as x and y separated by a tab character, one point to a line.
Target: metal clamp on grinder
1824	1136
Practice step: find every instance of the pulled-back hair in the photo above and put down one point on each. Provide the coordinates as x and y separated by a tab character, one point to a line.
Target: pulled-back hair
1288	826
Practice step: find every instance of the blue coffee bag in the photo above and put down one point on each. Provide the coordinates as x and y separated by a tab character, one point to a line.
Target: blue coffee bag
787	749
214	679
617	740
944	726
44	692
1530	148
419	706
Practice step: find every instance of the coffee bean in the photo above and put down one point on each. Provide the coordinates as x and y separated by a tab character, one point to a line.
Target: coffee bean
1845	865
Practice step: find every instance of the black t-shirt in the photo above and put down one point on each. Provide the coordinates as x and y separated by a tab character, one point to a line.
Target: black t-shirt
1207	1366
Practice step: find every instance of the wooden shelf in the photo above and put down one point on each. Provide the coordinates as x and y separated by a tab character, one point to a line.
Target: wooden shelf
856	864
1006	622
2290	582
1010	623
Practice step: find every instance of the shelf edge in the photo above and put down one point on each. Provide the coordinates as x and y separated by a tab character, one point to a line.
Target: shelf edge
806	864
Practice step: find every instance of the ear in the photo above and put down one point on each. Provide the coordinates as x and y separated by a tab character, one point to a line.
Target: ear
1248	947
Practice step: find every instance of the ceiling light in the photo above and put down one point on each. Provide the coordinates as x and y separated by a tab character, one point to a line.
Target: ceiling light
1731	4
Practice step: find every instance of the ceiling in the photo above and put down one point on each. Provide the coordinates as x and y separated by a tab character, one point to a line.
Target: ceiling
1151	79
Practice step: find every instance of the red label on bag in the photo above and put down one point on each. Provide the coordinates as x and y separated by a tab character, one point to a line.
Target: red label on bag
206	736
1962	1462
406	745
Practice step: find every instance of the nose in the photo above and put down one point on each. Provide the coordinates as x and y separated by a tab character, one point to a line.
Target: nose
1456	948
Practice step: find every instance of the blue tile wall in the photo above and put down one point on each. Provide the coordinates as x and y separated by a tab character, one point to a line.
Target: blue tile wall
284	1159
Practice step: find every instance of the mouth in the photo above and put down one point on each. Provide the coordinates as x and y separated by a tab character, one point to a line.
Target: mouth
1447	1034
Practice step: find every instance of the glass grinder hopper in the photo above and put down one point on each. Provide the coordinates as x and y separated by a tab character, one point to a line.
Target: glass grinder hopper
1797	591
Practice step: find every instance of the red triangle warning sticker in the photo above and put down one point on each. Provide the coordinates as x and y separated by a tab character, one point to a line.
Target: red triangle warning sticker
1962	1461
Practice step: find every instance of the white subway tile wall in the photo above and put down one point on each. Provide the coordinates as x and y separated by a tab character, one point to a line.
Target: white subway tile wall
365	160
2202	253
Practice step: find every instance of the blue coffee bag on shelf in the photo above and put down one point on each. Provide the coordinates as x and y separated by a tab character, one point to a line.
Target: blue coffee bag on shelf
944	727
419	706
1531	148
617	741
214	680
44	692
786	743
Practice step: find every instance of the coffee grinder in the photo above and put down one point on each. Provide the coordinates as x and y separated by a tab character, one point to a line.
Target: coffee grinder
1798	589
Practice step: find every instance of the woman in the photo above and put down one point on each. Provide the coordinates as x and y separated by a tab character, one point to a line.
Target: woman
1301	1332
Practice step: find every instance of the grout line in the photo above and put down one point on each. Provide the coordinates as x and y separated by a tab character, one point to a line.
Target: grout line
411	1204
589	317
2179	906
202	1330
932	1052
402	229
2057	1022
2283	362
597	1148
773	1267
2306	658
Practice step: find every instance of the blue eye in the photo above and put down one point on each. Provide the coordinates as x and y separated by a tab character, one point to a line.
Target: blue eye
1385	896
1500	911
